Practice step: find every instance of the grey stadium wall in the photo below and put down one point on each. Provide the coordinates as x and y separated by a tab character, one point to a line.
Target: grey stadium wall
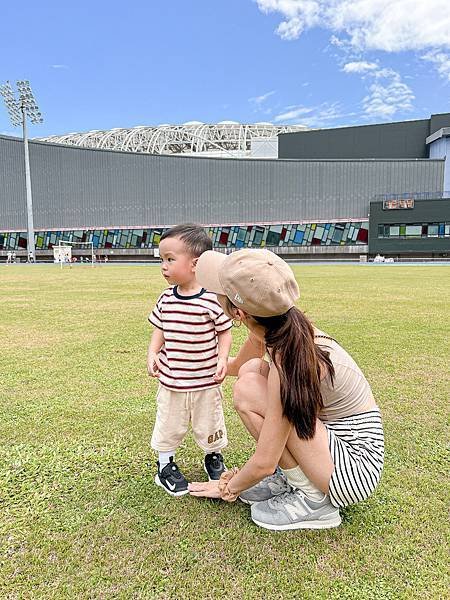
81	188
405	139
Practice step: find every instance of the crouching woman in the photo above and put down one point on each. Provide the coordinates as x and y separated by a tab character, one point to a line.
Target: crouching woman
320	443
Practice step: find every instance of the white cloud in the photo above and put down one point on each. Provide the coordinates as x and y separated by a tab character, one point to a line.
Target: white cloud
388	25
441	61
360	26
292	113
260	99
300	15
290	30
359	67
388	97
59	66
315	116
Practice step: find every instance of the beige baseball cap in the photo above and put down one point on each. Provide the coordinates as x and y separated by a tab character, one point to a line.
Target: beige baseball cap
257	281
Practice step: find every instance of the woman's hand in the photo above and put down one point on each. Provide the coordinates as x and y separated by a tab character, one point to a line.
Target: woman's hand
205	489
215	489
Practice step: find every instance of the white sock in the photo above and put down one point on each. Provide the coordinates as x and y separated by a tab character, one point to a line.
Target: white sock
297	479
164	457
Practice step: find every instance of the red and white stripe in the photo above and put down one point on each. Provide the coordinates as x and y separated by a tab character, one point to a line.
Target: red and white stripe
190	326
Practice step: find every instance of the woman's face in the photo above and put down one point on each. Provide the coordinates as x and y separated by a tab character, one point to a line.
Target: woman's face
227	307
235	313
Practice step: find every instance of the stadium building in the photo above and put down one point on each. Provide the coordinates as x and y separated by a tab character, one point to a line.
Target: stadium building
312	194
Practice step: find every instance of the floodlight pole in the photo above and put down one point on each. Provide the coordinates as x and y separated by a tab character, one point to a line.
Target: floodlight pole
20	109
30	223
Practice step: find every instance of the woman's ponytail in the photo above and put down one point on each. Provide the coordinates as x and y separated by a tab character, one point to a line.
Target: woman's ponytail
290	339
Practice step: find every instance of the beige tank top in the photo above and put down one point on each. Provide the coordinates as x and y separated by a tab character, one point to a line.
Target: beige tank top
350	393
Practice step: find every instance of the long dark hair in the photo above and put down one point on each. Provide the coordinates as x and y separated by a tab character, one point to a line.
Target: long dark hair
290	339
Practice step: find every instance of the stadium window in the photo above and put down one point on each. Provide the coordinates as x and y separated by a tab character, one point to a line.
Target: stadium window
273	237
413	230
433	230
338	232
394	231
298	239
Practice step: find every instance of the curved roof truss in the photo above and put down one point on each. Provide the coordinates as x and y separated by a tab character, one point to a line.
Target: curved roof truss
226	138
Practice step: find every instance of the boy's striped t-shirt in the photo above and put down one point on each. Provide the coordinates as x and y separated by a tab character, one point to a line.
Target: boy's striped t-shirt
190	325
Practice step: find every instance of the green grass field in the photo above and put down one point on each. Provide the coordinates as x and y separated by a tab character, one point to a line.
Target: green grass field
80	516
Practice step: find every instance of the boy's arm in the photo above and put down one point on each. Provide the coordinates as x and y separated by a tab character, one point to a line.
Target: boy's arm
253	347
224	345
155	345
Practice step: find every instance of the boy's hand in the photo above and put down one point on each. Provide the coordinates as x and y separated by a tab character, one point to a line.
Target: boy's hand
221	370
153	364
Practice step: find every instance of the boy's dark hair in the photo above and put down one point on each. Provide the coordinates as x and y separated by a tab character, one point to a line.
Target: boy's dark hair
194	236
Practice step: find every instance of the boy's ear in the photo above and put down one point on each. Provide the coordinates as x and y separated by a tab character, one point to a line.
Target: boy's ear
194	262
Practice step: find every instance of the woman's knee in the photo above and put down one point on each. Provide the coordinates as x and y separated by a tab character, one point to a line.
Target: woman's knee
254	365
245	390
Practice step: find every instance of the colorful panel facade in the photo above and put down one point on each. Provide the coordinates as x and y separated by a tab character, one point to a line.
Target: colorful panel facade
236	236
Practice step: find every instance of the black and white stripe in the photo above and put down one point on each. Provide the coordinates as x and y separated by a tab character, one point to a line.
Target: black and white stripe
357	449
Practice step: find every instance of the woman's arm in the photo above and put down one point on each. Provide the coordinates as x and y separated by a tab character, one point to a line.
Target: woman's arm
253	347
271	443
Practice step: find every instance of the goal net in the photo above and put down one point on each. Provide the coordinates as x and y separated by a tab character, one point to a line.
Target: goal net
68	253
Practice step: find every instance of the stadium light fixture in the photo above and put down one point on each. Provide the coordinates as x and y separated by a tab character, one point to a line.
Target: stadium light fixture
21	107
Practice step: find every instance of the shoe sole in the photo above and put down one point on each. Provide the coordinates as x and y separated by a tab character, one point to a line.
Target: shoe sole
175	494
249	502
330	523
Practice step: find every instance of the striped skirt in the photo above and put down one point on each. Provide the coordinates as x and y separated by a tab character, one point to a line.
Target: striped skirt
357	449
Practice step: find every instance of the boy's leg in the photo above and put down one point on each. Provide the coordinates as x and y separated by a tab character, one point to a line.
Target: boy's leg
164	458
208	426
171	425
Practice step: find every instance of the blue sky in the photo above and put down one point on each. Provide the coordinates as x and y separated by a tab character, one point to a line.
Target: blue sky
323	63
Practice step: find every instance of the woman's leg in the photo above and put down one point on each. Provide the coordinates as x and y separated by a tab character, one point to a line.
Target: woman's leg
250	400
251	407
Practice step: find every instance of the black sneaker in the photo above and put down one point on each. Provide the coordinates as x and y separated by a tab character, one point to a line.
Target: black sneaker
214	466
171	479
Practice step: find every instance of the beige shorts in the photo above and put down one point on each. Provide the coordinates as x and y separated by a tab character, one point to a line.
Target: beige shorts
202	408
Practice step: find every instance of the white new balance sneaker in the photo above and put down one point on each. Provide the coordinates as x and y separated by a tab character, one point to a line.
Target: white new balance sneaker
293	510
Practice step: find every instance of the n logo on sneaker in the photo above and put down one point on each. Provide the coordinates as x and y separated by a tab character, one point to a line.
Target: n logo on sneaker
296	510
171	486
